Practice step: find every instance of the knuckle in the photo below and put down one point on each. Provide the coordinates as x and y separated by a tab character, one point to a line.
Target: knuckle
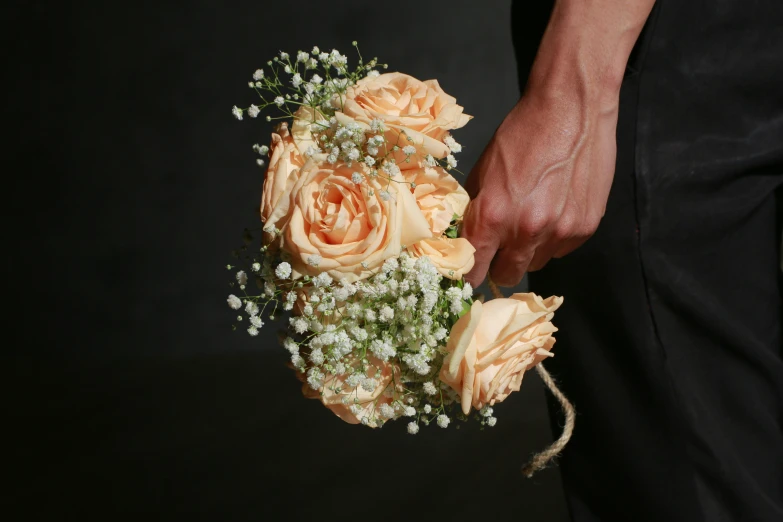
590	225
482	214
537	224
493	216
566	228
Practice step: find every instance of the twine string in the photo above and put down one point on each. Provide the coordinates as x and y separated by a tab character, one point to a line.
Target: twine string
540	460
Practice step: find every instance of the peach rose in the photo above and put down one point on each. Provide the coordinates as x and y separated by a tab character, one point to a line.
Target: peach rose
452	257
284	160
438	195
300	128
366	404
331	224
494	344
422	109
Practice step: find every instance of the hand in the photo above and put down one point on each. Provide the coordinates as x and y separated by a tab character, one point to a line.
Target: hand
540	187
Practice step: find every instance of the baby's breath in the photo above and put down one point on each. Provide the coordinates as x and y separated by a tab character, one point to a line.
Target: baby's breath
400	316
293	80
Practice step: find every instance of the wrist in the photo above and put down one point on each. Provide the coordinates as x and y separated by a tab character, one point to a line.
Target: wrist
584	51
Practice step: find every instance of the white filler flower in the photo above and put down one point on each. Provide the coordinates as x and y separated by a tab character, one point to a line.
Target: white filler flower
234	302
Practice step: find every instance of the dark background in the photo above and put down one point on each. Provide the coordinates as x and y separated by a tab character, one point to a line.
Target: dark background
129	395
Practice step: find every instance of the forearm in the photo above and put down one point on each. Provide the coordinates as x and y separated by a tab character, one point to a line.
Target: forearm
585	49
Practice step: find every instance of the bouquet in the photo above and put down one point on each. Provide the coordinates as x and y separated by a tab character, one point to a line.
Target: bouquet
359	250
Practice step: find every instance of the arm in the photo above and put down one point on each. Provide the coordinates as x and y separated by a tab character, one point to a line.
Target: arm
540	187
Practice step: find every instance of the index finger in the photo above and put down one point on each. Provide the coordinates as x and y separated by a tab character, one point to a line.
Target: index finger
486	243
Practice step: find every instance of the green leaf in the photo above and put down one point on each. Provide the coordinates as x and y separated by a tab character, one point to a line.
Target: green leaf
465	308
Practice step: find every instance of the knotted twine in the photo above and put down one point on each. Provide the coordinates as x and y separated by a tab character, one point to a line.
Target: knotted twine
540	460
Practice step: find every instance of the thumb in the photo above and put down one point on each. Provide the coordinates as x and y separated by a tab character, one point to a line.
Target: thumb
484	240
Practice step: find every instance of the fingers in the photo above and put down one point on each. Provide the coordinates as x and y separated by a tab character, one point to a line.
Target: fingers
571	232
544	253
511	263
483	258
559	247
485	242
569	246
559	233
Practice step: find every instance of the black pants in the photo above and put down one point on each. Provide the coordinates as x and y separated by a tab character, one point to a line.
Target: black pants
670	334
